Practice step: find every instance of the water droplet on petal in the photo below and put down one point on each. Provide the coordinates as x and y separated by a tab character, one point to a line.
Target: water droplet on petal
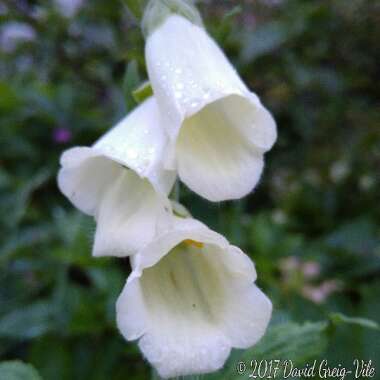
206	95
133	154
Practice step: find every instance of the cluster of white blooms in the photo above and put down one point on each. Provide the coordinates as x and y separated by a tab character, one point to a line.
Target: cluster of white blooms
191	296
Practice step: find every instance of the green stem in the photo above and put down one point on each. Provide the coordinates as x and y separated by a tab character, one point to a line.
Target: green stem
136	8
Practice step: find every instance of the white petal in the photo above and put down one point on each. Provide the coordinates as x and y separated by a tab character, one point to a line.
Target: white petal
248	116
218	129
180	337
179	230
187	70
138	142
246	315
131	312
128	216
214	159
85	176
183	295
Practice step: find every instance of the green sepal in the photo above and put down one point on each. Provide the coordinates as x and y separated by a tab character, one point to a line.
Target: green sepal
143	92
157	11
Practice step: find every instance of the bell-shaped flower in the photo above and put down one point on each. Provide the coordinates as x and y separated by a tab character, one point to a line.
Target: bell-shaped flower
190	298
120	181
219	130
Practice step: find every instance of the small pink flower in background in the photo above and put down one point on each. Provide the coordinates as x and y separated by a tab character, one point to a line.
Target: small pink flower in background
319	294
302	277
289	264
311	269
62	135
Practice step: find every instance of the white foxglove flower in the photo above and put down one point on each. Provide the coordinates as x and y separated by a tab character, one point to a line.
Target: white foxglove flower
190	298
219	130
121	182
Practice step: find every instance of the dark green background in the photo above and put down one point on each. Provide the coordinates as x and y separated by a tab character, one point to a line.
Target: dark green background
313	63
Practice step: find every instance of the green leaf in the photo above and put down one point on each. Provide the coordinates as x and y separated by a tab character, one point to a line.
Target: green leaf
18	201
53	357
130	82
264	40
28	322
232	13
290	340
8	97
339	318
359	237
17	370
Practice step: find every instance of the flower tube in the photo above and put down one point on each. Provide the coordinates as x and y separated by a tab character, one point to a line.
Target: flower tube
121	182
219	130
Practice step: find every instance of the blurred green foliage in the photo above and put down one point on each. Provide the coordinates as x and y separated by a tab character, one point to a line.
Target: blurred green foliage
312	226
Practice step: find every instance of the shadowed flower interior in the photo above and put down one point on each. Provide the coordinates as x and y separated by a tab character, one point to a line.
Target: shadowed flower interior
129	203
188	281
186	297
118	198
220	148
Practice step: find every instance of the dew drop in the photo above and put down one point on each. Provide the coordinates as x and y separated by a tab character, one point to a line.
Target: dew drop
206	95
133	154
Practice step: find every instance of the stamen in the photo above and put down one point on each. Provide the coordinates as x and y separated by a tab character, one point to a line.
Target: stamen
194	243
